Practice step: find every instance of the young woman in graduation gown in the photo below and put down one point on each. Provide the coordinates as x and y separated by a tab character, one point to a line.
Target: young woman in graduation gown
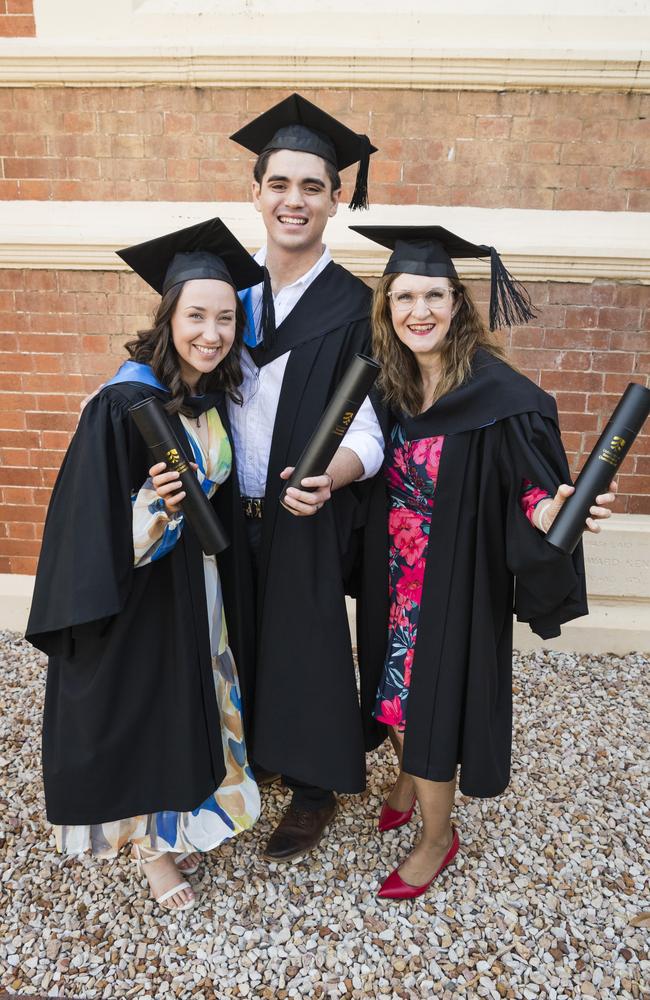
475	474
142	737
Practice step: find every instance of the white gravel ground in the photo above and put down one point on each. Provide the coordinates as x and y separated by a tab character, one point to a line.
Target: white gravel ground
548	897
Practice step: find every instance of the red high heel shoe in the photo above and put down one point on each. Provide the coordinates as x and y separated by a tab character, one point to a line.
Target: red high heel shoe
395	888
390	819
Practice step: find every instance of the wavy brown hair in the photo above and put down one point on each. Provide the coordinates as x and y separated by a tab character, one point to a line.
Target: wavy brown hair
400	381
155	347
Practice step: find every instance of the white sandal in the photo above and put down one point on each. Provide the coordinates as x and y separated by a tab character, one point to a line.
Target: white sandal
144	856
193	869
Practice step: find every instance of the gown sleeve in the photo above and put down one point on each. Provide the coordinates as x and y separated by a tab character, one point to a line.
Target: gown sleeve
85	568
155	533
550	587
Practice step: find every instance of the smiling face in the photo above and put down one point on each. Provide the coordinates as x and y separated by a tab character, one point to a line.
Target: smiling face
203	326
295	199
421	310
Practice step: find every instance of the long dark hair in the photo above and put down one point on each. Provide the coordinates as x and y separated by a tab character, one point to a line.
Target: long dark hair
155	347
400	380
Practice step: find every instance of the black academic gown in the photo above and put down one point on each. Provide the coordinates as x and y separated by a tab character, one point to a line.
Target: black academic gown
307	721
131	724
484	559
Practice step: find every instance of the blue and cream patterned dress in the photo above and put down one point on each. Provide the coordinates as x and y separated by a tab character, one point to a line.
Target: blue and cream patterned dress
235	805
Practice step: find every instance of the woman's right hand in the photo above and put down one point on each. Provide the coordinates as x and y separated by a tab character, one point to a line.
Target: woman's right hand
168	486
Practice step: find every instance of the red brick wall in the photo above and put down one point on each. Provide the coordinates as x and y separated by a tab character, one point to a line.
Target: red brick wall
518	150
62	332
17	19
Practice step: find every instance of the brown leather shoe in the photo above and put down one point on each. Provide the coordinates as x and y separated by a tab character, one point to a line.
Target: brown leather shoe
298	831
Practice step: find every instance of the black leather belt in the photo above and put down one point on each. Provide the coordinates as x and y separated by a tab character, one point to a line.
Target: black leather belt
253	507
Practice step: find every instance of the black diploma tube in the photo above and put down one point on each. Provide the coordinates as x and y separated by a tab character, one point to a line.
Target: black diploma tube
613	445
333	425
153	423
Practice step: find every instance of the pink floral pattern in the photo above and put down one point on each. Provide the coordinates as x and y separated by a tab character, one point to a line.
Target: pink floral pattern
411	473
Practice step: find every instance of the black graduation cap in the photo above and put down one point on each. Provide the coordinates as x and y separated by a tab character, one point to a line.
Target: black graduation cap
206	250
428	250
296	123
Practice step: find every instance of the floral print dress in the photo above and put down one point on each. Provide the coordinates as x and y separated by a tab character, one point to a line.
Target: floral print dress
411	472
235	805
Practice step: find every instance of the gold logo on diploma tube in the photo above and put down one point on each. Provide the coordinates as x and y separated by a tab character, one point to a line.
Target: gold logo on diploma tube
173	459
346	420
613	452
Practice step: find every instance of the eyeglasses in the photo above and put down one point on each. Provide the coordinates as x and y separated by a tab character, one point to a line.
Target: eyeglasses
435	298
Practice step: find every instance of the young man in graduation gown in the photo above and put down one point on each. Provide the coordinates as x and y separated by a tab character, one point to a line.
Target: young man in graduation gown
306	322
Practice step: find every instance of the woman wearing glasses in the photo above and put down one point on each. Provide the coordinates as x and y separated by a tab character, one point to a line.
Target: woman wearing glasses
476	474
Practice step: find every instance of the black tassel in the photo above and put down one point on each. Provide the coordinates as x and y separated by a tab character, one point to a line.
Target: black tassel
360	194
510	303
268	312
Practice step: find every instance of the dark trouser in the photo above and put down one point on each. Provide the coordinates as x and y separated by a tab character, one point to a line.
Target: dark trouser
307	797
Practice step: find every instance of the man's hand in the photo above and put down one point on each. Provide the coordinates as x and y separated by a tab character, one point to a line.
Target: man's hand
344	468
306	502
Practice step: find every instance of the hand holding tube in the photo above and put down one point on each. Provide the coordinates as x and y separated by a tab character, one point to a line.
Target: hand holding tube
547	510
168	486
335	422
317	490
613	445
153	423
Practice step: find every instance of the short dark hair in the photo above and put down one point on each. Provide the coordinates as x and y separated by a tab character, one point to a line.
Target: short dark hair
262	162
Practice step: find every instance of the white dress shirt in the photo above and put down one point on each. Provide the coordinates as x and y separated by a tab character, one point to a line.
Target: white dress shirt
252	422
